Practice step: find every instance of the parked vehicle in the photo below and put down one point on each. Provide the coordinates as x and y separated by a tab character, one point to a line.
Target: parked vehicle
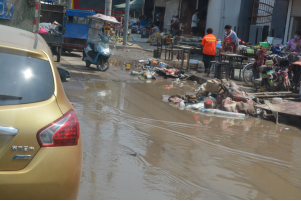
98	50
40	139
50	14
76	31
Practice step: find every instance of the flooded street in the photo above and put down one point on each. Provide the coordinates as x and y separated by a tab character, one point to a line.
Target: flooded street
138	147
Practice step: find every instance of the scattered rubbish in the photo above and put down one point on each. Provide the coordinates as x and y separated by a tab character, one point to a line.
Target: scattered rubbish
277	101
286	128
217	111
196	106
133	154
165	98
182	104
104	93
136	73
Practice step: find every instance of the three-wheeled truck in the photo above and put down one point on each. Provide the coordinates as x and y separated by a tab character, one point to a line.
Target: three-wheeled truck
77	27
50	14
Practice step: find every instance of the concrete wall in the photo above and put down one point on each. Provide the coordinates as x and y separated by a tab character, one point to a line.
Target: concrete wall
232	10
244	20
171	9
221	13
214	16
279	18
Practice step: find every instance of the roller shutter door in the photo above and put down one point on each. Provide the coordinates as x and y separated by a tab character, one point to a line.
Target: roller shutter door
296	8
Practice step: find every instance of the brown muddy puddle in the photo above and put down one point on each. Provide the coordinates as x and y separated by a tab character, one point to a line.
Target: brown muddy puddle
178	154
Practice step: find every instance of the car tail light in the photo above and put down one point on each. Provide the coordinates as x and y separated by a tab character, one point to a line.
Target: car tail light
62	132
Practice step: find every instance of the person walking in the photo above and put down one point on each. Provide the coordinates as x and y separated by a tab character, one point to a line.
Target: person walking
230	40
194	23
209	44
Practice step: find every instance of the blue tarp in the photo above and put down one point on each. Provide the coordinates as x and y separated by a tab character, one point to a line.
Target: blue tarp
79	13
6	9
76	30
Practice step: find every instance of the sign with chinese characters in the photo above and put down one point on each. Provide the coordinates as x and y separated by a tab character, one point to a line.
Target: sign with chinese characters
6	9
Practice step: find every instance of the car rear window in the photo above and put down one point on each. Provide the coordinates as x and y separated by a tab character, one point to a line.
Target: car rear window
24	79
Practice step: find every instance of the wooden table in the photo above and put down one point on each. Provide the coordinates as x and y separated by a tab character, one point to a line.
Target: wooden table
232	57
188	48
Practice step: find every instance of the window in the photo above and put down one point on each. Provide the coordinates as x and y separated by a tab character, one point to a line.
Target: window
78	20
28	78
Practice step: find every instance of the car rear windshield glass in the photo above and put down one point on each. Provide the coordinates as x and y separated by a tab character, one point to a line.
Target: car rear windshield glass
24	79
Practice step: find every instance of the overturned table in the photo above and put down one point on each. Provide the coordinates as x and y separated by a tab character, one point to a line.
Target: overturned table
188	48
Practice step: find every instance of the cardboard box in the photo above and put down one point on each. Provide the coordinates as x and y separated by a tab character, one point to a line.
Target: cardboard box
213	85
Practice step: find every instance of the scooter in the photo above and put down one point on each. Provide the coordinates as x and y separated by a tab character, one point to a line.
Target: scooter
98	52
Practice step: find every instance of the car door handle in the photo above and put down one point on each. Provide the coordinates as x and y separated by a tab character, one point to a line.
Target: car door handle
8	131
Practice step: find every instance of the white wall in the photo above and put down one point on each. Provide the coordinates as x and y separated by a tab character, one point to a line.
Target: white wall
232	9
221	13
214	16
171	9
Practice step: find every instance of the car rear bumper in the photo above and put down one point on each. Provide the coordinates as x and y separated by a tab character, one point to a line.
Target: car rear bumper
54	173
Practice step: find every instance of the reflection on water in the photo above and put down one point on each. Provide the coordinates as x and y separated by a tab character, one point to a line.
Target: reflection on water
180	154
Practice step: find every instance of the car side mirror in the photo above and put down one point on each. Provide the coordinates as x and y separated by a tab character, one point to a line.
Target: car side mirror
64	74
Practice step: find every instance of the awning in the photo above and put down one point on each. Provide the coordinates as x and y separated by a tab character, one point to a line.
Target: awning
134	5
79	13
100	17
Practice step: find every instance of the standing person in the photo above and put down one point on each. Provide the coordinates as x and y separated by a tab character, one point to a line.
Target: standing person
194	23
295	44
209	44
158	16
230	39
176	27
161	23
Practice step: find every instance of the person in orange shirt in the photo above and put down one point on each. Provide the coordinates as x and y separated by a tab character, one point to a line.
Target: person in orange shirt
209	44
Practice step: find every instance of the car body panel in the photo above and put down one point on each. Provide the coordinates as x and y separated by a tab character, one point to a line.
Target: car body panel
61	180
51	172
29	119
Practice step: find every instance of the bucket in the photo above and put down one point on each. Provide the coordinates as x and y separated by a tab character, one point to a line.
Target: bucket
128	66
193	64
264	44
144	32
157	54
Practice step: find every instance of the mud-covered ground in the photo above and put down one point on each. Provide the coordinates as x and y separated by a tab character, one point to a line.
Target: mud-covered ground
138	147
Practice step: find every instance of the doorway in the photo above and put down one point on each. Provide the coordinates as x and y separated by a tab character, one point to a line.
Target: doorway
187	10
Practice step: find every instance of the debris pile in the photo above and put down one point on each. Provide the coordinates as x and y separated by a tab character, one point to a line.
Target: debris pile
150	69
217	97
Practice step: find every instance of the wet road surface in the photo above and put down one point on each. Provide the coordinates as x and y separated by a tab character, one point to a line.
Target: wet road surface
138	147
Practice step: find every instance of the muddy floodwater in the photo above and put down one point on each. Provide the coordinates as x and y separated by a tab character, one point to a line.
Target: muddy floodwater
138	147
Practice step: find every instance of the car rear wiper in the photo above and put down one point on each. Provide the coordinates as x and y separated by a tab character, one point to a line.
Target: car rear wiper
9	97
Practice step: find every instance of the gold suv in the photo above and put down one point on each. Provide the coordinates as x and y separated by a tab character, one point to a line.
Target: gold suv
40	140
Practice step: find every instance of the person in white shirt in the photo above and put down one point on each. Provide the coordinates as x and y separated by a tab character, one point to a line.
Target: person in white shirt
194	23
158	17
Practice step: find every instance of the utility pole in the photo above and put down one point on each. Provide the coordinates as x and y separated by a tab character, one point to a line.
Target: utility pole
108	7
126	22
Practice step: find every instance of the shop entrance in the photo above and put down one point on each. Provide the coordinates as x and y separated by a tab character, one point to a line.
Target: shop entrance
187	10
